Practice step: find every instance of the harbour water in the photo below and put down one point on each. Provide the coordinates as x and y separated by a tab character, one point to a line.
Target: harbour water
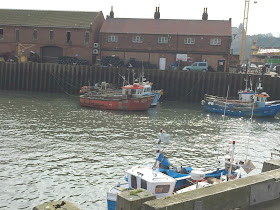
53	149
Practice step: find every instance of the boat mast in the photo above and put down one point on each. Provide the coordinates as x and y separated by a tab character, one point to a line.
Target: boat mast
156	164
231	160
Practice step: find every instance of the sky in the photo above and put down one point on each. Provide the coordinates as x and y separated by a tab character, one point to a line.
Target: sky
263	16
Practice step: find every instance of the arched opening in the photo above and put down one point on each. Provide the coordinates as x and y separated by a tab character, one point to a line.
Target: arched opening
50	54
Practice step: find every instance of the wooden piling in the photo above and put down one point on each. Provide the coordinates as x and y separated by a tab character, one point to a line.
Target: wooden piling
177	85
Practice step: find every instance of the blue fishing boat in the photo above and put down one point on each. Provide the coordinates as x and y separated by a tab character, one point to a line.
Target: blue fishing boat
249	104
147	90
162	179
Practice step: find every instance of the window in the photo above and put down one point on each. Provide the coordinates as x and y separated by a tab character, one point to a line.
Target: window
17	35
202	64
162	40
68	37
137	39
112	39
189	41
35	34
87	37
51	35
133	182
1	33
215	41
147	90
143	184
162	189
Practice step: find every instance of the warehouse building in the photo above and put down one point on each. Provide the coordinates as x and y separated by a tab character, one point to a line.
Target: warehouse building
49	34
164	41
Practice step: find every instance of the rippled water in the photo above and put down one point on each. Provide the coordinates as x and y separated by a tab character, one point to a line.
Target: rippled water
52	149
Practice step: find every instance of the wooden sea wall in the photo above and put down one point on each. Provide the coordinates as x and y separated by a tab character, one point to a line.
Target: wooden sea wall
177	85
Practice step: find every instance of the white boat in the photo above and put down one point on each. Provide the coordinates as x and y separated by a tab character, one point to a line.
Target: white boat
163	180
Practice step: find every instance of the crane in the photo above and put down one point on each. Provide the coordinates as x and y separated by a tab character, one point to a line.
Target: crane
244	31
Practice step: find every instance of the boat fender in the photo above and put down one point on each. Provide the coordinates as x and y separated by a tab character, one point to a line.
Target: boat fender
252	97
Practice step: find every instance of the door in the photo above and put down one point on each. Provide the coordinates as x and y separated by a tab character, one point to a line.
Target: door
195	67
162	63
221	65
50	54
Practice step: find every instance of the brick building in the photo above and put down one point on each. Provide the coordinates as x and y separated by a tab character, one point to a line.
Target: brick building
163	41
50	33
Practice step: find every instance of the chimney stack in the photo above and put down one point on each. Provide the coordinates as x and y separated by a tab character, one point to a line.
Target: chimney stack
112	12
205	14
157	14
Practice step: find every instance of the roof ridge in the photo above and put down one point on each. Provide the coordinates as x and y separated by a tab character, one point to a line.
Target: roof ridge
52	10
165	19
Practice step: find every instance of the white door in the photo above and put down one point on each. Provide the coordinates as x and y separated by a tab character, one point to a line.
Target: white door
162	62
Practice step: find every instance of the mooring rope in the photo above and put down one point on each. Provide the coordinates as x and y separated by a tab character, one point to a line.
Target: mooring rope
62	88
201	74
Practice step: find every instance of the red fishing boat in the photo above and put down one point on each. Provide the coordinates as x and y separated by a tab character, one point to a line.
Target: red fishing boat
130	99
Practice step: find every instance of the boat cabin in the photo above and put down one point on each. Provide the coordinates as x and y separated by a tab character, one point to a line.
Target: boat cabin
246	95
147	89
151	180
137	90
261	98
133	90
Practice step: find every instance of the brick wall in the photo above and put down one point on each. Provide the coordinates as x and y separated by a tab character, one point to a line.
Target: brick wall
150	50
77	45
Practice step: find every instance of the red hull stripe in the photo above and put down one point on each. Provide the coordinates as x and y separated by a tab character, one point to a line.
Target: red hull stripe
135	104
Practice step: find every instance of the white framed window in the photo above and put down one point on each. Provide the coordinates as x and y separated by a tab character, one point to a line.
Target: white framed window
112	38
137	39
87	37
189	41
163	40
35	34
1	34
51	35
215	41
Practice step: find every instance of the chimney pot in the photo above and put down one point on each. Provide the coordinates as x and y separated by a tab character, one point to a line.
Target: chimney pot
112	12
157	14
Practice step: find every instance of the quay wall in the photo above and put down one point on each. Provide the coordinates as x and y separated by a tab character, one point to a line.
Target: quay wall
177	85
256	192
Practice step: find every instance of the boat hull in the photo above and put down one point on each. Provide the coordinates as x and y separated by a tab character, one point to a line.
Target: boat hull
267	111
132	104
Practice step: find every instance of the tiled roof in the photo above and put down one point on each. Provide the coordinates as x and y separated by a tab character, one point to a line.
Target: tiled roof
170	26
46	18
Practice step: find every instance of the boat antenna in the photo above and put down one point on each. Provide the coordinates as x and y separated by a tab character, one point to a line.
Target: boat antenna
251	119
156	164
123	77
231	160
223	123
226	104
133	76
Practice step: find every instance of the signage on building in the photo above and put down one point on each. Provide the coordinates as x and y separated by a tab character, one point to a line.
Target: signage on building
181	57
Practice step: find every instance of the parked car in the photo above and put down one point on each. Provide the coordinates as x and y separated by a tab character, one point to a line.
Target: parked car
197	66
253	66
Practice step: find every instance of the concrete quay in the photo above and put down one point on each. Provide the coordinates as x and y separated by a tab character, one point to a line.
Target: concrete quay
258	192
56	205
